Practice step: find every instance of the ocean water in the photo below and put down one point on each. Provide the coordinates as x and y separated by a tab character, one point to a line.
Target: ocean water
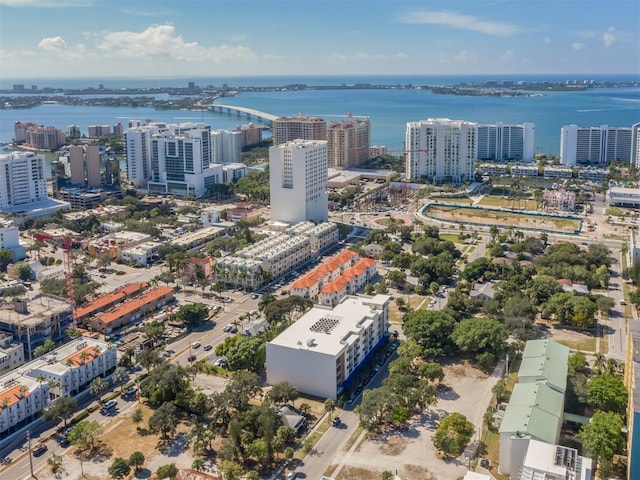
388	110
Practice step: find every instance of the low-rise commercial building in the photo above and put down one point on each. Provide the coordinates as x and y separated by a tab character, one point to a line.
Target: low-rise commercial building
321	351
104	302
560	200
11	353
546	461
141	254
132	310
624	197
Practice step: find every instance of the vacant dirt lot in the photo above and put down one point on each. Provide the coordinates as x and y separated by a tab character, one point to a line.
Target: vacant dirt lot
410	451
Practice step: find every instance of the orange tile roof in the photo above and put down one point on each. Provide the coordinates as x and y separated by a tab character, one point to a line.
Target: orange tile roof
13	395
135	304
335	286
109	299
324	270
202	261
309	280
77	361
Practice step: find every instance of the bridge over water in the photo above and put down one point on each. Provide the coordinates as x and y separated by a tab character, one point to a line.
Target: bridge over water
249	113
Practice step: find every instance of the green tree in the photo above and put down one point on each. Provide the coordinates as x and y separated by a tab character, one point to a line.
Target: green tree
148	358
136	460
22	270
479	335
164	420
137	417
154	329
329	407
193	314
430	330
577	363
63	407
85	434
6	256
198	465
248	353
453	434
608	393
97	387
120	377
167	471
283	392
119	468
603	438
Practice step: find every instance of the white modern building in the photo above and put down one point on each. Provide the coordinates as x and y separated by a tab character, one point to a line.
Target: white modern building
547	461
141	254
22	179
138	146
10	240
525	170
226	146
635	145
319	353
27	390
441	150
11	353
348	142
624	197
506	142
594	145
181	161
232	172
298	179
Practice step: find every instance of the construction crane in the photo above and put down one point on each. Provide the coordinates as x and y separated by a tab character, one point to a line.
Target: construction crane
66	243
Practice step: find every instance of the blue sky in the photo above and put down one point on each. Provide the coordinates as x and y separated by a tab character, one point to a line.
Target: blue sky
181	38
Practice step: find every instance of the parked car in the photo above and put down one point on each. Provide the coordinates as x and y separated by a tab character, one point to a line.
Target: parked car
110	405
131	391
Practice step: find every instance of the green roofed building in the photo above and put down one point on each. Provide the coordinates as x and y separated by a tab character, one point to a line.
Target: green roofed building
545	360
536	406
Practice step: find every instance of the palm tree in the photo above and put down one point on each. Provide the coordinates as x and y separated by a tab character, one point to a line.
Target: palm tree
266	300
599	362
198	464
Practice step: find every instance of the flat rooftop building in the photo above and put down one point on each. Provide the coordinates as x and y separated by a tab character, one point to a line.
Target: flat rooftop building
320	353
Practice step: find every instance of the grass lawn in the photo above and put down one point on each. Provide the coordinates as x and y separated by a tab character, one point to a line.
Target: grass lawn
461	200
492	452
503	218
584	345
449	237
500	201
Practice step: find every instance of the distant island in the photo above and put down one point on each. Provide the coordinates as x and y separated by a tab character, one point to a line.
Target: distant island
194	96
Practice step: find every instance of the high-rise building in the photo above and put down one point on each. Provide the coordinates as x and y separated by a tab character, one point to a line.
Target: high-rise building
181	161
635	145
84	162
348	142
249	134
592	145
298	180
118	129
73	131
286	129
504	142
226	146
96	131
138	146
38	136
22	179
441	150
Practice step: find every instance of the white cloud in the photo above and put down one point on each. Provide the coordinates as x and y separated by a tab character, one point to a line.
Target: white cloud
577	45
52	44
608	37
460	21
463	56
162	41
343	57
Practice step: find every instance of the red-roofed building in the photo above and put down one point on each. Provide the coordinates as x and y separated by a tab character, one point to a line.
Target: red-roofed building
309	286
132	310
350	282
109	300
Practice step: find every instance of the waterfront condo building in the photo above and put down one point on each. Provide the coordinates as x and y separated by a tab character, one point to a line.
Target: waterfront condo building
38	136
593	145
441	150
226	146
84	162
319	353
286	129
635	145
138	146
506	142
298	175
22	179
349	141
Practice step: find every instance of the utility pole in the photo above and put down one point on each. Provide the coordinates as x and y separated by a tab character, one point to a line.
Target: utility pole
30	457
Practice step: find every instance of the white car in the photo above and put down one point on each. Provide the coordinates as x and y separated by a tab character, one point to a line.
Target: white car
196	345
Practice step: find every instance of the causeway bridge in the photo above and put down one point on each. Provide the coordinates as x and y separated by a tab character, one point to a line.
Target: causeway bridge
249	113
